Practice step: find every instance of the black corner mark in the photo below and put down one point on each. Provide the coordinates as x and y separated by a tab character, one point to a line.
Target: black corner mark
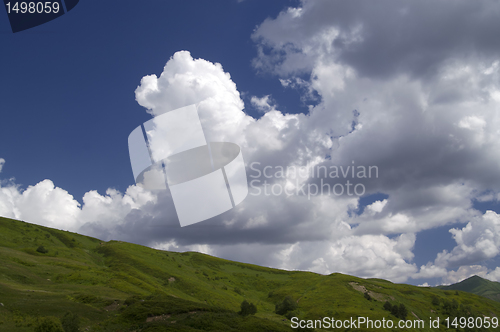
25	15
70	4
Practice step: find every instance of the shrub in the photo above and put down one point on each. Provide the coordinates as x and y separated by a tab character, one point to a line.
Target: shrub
403	312
70	322
41	249
399	311
435	300
247	308
295	313
287	305
238	291
387	306
367	296
48	324
395	310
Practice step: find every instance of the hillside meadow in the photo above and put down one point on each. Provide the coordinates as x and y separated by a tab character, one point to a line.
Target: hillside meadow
118	286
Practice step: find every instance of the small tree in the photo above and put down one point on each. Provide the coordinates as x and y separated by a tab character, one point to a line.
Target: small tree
41	249
402	311
288	304
70	322
395	310
387	306
247	308
48	324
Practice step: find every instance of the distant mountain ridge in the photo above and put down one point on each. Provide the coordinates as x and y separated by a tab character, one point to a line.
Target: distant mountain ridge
477	285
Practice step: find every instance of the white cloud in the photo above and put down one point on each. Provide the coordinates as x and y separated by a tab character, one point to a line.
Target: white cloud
2	162
493	275
376	207
48	205
430	271
42	204
185	81
264	104
467	271
472	122
464	272
477	241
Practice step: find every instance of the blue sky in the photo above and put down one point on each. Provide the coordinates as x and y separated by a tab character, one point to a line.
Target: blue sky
319	82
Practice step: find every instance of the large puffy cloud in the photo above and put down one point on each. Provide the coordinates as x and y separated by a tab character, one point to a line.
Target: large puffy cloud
378	39
42	203
438	124
425	96
274	139
479	240
48	205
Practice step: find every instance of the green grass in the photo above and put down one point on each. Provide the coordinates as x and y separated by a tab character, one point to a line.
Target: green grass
118	286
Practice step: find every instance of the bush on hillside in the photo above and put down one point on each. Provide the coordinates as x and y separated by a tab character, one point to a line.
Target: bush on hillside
387	306
48	324
399	311
287	305
247	308
70	322
41	249
402	311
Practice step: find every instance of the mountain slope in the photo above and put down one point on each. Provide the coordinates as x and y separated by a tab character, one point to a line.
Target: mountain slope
118	286
477	285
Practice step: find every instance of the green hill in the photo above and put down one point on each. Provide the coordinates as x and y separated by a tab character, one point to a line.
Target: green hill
477	285
118	286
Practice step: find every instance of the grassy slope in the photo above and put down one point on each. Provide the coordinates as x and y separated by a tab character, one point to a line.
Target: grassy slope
477	285
116	286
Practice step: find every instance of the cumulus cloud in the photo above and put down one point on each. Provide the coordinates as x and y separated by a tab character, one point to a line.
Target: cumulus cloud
378	39
426	102
467	271
2	162
48	205
42	203
264	104
479	240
